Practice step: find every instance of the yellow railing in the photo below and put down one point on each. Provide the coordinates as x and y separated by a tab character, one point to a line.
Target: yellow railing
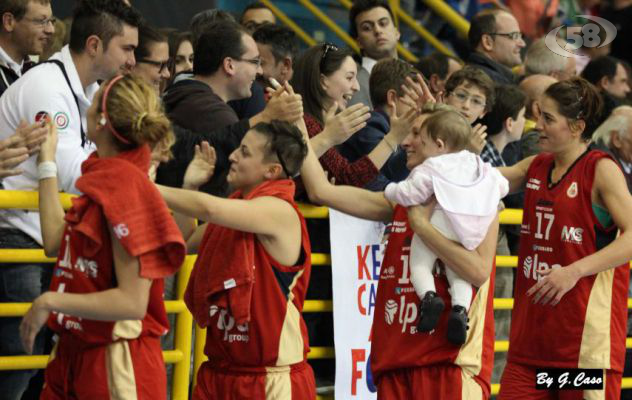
290	24
181	354
452	17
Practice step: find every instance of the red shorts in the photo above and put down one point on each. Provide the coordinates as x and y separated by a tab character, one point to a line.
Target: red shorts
446	381
126	369
518	382
291	383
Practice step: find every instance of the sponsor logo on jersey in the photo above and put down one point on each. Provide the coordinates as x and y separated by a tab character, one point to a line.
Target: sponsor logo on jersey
546	249
572	190
61	120
533	184
531	266
573	235
388	272
390	309
226	322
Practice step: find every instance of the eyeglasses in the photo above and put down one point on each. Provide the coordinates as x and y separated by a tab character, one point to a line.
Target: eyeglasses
515	36
41	22
254	61
462	96
327	47
160	64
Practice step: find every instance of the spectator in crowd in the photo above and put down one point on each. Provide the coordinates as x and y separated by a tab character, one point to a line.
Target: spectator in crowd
608	74
504	122
152	57
256	15
181	52
615	135
102	42
471	92
246	107
570	185
437	68
27	28
619	13
226	64
57	41
407	364
541	60
495	41
113	248
387	78
278	48
269	260
325	77
371	25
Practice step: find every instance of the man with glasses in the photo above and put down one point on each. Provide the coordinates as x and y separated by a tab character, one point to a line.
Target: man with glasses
227	62
152	57
496	42
27	27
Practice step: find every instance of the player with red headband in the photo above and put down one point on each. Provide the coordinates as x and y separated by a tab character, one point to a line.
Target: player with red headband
114	247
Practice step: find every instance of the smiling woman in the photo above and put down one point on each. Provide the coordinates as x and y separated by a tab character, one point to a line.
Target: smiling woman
152	57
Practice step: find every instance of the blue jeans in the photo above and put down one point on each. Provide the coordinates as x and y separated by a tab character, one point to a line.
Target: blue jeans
19	283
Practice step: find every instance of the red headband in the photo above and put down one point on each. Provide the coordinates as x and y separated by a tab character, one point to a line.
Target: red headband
105	112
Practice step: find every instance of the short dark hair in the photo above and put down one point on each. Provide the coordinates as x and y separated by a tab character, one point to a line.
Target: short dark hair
175	40
147	36
509	100
281	39
17	8
102	18
476	77
202	20
285	143
306	78
220	40
252	6
388	74
481	24
435	63
596	69
576	99
360	6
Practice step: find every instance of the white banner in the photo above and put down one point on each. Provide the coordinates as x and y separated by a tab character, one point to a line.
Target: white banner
356	258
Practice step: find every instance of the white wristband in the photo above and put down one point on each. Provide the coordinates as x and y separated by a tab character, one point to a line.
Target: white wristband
47	169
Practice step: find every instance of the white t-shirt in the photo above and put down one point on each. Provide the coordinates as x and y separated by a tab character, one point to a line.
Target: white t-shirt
43	89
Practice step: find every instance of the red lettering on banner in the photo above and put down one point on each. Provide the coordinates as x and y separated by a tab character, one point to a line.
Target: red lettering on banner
357	356
362	267
361	290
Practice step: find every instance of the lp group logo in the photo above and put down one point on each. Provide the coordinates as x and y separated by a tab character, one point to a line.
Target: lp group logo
587	35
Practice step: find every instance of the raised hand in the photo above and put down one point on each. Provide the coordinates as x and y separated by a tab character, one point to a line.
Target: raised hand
339	127
48	148
284	105
400	126
418	91
477	140
201	168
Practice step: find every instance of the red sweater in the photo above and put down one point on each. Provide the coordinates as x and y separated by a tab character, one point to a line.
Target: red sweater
358	173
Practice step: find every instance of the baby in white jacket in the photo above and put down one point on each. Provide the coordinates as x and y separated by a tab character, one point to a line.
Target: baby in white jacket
468	192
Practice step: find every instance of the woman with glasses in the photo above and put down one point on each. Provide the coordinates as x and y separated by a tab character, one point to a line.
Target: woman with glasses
326	77
152	57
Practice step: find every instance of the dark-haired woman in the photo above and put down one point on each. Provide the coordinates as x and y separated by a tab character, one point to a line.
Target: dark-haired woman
326	77
570	305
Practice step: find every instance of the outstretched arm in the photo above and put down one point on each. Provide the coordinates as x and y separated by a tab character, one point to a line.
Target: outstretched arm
517	174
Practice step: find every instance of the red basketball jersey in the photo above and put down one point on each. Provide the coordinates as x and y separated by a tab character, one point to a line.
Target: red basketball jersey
80	270
276	335
397	345
587	329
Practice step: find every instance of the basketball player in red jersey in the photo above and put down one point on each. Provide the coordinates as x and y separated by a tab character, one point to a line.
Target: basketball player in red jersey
115	245
570	305
249	283
407	364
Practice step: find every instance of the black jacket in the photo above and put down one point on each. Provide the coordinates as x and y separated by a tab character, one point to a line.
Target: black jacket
500	74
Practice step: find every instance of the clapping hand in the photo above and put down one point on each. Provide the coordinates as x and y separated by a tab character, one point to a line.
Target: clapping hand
201	168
